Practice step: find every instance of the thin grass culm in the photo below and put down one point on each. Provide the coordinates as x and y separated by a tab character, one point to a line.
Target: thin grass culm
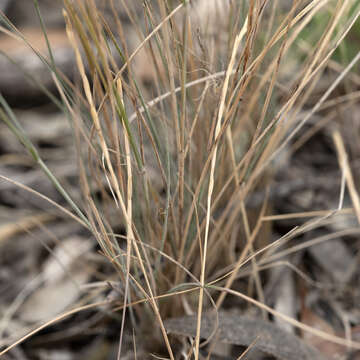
210	151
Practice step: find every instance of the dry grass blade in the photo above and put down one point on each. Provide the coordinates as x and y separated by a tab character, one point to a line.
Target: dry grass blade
322	213
54	321
55	204
211	182
129	231
344	165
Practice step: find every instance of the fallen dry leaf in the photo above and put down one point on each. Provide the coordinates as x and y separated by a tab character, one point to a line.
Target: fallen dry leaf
242	330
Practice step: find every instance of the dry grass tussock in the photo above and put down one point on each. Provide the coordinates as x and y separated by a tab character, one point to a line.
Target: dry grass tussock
180	128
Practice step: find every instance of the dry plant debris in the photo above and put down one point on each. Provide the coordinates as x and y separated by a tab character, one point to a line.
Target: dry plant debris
246	331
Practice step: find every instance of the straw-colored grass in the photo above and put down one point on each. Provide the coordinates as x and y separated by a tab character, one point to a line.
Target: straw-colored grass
176	161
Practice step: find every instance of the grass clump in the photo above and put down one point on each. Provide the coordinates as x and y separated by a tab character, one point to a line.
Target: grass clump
177	130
